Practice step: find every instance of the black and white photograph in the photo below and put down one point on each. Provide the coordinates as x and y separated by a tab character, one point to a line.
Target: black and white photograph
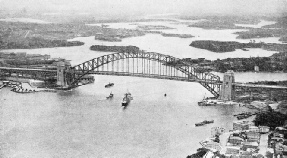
143	78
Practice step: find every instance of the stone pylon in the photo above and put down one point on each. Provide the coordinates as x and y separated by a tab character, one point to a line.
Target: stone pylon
227	91
62	66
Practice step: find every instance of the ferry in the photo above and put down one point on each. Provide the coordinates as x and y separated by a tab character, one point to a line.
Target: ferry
110	96
109	85
126	100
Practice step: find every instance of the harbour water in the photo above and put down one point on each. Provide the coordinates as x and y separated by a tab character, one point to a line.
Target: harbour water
82	123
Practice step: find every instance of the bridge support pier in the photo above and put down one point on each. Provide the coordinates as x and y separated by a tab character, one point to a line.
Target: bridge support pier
227	91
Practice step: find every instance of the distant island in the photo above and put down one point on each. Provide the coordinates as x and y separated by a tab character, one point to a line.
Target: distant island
116	35
177	35
104	48
153	27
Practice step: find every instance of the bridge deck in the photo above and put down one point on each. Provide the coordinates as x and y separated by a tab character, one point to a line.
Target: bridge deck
178	78
26	69
154	76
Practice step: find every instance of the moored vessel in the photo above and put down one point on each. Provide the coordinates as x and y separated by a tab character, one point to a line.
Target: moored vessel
244	115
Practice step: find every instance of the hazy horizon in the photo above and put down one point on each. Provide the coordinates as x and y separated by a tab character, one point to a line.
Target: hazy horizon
114	8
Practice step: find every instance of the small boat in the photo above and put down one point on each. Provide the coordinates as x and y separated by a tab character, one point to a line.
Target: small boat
109	85
110	96
126	100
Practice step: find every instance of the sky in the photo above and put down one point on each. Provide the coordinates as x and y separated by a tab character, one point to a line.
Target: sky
148	7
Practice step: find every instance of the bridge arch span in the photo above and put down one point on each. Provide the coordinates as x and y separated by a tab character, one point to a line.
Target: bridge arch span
75	73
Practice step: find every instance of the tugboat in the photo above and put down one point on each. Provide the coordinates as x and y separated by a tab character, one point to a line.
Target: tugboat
109	85
126	100
110	96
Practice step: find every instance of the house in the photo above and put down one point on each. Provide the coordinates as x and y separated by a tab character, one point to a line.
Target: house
253	136
235	140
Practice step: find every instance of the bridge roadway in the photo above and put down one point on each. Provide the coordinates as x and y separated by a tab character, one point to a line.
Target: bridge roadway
178	78
115	74
26	69
238	84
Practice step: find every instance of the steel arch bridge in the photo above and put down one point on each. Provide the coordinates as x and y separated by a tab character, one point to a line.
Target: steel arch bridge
143	64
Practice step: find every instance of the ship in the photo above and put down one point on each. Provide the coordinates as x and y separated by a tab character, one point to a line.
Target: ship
204	122
109	85
110	96
126	100
206	102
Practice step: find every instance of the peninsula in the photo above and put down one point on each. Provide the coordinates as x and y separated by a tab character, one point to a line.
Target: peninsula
229	46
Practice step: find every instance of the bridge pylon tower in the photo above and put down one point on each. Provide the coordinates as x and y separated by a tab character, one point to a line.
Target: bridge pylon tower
227	91
62	69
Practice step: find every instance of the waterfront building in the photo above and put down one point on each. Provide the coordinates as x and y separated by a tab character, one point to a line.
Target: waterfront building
241	125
